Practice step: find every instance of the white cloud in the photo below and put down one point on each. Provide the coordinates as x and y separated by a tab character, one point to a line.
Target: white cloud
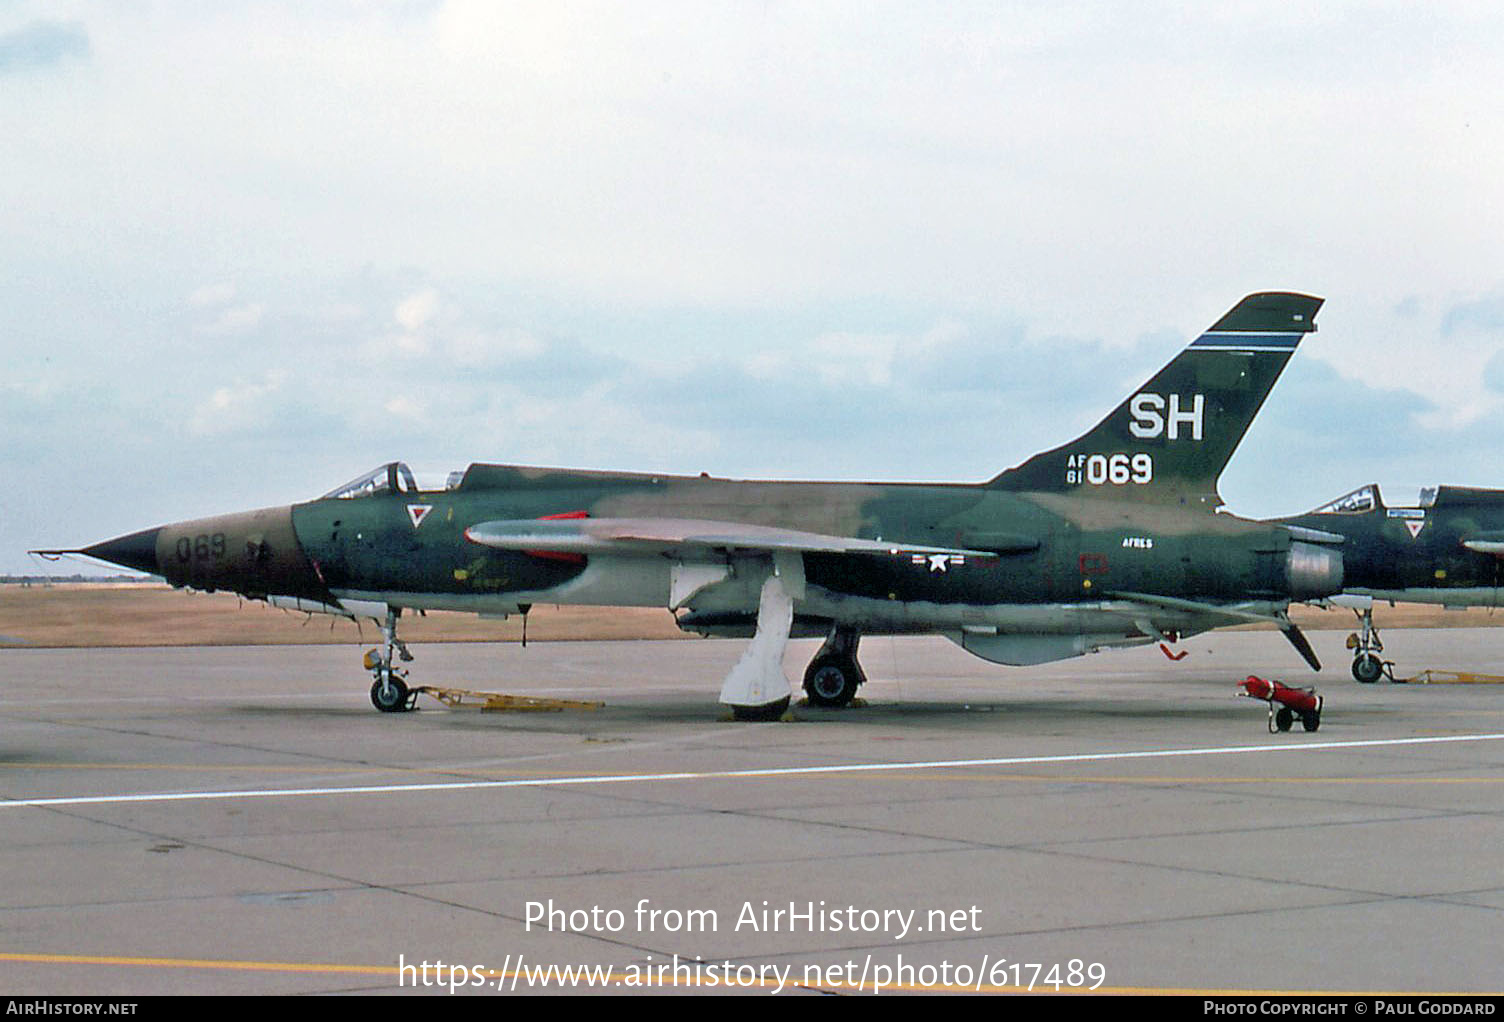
615	233
236	319
211	294
405	408
471	348
238	407
416	310
853	358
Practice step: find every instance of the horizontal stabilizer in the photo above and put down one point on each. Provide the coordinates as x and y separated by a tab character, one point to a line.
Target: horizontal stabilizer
675	536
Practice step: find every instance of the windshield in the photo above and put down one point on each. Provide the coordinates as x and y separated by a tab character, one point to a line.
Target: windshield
392	477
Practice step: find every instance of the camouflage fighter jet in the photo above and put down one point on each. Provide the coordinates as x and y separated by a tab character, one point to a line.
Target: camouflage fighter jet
1106	541
1445	550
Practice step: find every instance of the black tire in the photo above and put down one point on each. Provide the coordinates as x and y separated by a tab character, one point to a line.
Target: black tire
831	681
767	711
1310	721
1283	718
396	699
1368	668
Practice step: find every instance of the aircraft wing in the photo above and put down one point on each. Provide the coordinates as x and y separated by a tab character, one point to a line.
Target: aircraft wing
675	536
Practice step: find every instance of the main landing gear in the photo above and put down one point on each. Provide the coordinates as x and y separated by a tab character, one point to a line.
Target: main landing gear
389	692
1366	645
756	688
834	675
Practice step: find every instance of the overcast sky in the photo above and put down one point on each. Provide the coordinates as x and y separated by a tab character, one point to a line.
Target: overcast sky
249	250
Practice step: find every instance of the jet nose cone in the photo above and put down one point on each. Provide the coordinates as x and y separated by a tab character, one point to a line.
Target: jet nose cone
138	551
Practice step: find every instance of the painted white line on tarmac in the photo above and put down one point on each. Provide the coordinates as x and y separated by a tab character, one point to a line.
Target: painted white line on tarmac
762	772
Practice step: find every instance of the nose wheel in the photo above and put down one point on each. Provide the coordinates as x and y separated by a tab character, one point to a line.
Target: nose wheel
391	695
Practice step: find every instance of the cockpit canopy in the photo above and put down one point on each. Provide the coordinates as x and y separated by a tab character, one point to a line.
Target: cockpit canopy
393	477
1367	498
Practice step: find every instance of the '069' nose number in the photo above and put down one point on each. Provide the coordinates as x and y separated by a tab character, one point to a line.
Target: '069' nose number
201	548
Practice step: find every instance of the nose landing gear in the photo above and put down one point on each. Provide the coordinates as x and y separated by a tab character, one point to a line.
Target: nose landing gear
1366	645
390	692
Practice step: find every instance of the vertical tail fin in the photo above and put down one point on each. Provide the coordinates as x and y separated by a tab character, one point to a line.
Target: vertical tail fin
1169	441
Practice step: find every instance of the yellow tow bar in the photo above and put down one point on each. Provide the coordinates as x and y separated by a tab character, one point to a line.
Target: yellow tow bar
1429	677
498	702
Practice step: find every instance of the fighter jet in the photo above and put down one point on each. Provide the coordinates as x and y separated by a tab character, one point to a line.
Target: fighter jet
1445	550
1109	540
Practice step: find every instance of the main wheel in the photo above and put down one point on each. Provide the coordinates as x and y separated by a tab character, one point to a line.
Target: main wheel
394	699
1283	718
1310	721
1368	668
831	681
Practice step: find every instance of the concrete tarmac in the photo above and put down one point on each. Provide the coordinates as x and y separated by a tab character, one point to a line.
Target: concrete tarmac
240	820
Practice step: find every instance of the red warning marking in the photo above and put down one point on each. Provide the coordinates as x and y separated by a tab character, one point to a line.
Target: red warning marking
556	555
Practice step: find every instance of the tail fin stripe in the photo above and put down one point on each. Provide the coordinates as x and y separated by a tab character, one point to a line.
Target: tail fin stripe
1234	340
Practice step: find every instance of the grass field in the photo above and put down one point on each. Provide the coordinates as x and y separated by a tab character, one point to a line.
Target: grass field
79	615
82	615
